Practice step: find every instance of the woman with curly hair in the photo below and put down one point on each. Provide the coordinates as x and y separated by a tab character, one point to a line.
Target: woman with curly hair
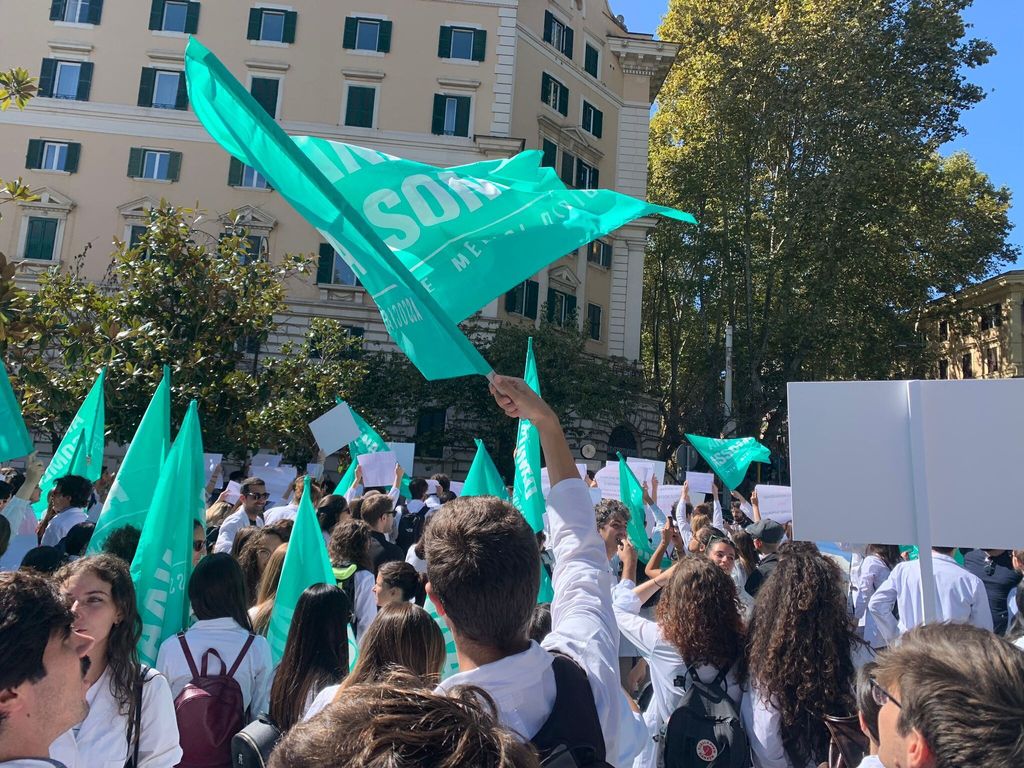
698	632
353	569
799	660
253	558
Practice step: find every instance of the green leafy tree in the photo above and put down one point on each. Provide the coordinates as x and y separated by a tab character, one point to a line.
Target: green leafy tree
805	137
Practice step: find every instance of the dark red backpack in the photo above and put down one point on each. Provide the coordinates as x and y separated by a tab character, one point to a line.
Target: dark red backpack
209	710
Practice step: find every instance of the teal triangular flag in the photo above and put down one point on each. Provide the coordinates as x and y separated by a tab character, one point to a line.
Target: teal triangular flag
730	458
15	440
632	494
527	494
483	478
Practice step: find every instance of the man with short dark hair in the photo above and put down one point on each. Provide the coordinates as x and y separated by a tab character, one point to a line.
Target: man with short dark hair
254	498
42	670
951	696
483	569
68	501
612	521
767	535
378	513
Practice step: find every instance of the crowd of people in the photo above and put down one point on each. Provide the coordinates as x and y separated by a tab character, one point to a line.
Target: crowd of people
731	645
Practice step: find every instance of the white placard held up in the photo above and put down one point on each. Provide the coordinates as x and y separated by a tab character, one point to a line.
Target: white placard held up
433	487
776	502
455	487
378	469
608	481
315	471
642	468
700	482
232	492
265	460
582	469
278	481
405	453
210	462
335	429
668	497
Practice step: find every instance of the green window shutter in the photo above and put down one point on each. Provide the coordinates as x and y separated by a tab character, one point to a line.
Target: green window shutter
325	265
40	238
359	108
437	123
264	90
235	172
549	24
181	98
74	152
598	123
291	19
563	100
95	11
192	18
57	8
595	179
567	40
135	162
34	156
510	300
384	37
462	115
550	158
545	86
590	61
47	74
532	293
444	43
174	166
84	80
156	15
479	44
255	21
570	306
146	85
568	169
351	28
551	305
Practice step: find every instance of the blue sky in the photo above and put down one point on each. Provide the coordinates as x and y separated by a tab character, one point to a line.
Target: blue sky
995	127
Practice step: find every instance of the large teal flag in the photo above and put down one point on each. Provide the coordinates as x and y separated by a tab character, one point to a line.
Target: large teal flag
132	491
15	440
163	561
483	478
527	495
367	442
90	422
632	494
730	459
431	245
305	564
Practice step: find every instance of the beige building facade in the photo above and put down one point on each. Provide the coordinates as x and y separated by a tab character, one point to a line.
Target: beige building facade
978	332
446	82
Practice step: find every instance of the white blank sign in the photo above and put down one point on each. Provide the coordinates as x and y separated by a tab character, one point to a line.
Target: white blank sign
776	502
378	468
335	429
700	482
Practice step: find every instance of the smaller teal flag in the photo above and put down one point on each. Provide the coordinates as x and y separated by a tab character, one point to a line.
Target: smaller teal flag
633	497
546	593
163	561
305	564
527	495
15	440
483	478
90	421
730	458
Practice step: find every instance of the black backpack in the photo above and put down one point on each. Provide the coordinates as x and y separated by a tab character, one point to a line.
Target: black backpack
251	746
571	737
410	528
704	731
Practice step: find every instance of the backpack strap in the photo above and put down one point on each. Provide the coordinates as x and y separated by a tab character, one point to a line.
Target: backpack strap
206	658
720	679
188	655
241	654
573	722
135	735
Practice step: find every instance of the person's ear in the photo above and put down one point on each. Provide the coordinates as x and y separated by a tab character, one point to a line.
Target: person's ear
11	700
919	754
434	599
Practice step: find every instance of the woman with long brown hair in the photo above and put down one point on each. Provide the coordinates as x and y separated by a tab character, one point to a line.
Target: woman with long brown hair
799	660
254	556
259	614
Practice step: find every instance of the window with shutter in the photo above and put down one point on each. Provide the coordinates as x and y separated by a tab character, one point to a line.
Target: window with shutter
84	80
252	31
192	18
461	44
135	156
47	77
351	34
591	59
54	157
437	118
384	38
57	10
40	238
359	106
34	156
272	26
234	172
66	79
74	153
291	19
367	35
550	158
73	11
479	44
594	321
593	119
175	16
265	91
165	89
568	174
252	179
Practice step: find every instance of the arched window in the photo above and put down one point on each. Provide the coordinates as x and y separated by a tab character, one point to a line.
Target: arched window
621	440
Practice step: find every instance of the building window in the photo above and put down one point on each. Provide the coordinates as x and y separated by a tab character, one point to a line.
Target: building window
966	366
451	115
257	249
430	428
600	253
550	157
154	164
558	34
943	330
991	317
591	60
522	300
266	91
621	440
367	35
991	361
943	368
55	156
40	238
554	94
76	11
272	26
174	16
594	321
586	176
135	235
462	43
162	89
65	79
561	308
242	175
332	269
52	155
359	106
593	119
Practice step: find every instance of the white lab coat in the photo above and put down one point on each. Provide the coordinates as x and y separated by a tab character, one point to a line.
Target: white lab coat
960	597
872	574
414	561
365	608
763	724
32	762
232	524
583	627
20	515
61	524
284	512
254	674
101	740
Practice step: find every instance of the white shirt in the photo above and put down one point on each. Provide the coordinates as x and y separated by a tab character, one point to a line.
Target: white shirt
960	597
20	515
1019	642
32	762
365	608
61	524
763	724
285	512
871	761
872	574
102	738
412	559
325	697
254	674
583	627
232	524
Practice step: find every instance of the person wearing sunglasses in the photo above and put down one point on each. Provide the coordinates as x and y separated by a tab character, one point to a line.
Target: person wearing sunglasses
253	499
950	695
